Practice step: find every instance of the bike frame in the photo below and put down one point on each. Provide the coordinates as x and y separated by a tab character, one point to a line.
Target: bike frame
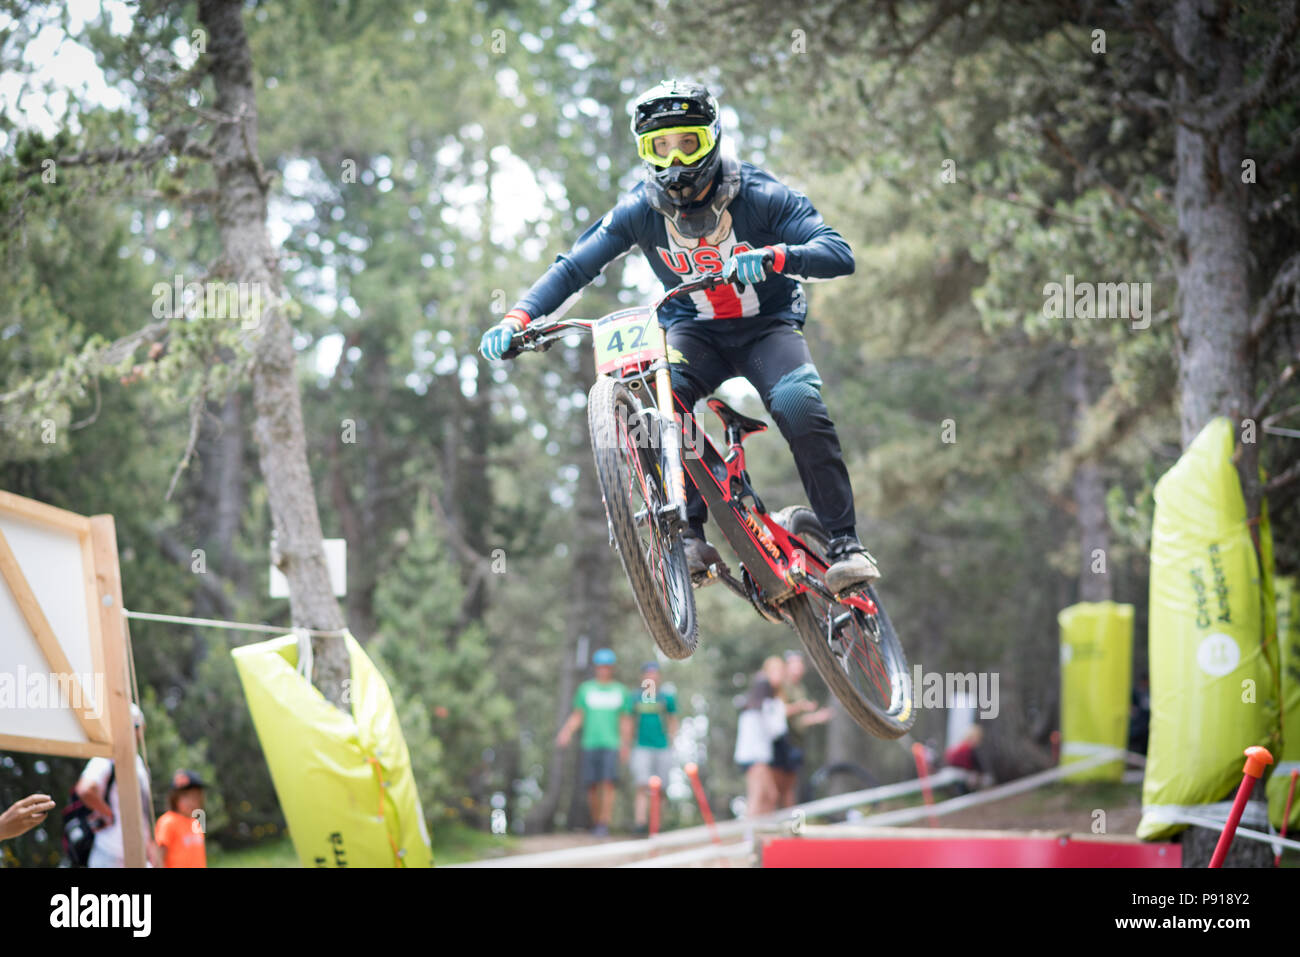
778	562
775	564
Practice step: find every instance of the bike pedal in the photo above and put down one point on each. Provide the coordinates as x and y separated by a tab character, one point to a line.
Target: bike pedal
709	577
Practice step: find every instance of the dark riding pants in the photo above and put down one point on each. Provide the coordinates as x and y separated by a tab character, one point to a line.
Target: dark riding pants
773	356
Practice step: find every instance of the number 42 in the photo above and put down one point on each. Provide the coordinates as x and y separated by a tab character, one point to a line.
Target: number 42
616	340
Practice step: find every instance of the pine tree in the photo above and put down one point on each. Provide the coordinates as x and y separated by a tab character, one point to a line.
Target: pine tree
441	676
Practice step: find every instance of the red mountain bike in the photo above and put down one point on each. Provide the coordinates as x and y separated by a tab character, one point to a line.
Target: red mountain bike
646	451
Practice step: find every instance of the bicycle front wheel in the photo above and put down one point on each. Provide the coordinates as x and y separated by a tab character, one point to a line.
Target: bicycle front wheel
631	484
858	655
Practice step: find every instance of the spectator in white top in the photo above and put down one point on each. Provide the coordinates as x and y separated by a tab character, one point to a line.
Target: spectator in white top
108	850
761	722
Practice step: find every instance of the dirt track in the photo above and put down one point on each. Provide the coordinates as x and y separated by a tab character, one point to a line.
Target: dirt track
1058	807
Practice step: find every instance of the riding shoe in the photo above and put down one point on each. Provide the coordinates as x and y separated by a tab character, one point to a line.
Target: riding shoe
851	564
699	554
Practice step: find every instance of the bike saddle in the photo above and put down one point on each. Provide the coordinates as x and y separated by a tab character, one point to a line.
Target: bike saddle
733	419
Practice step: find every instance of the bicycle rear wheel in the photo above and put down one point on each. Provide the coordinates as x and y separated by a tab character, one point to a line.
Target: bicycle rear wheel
631	484
858	655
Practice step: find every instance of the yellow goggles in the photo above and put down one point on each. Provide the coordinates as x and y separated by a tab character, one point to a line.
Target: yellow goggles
661	147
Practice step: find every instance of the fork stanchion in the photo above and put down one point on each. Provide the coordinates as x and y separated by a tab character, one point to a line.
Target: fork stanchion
923	772
1257	759
1286	815
1056	748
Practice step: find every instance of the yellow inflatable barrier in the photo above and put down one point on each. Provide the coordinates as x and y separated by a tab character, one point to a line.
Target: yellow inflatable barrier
1096	684
344	781
1211	687
1288	639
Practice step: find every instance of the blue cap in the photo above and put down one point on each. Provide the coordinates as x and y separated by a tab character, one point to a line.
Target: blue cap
650	666
604	657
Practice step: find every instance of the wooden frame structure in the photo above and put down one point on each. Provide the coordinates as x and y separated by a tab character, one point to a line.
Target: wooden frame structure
61	593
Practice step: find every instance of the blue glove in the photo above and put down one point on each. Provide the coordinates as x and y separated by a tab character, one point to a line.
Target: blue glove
747	268
497	340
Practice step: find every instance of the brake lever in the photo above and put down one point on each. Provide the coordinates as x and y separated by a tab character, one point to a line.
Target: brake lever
525	345
768	260
527	342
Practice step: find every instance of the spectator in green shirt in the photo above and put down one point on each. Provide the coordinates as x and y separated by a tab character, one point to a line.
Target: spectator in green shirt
654	724
598	707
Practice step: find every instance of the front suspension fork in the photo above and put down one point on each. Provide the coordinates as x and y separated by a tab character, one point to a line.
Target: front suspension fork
670	437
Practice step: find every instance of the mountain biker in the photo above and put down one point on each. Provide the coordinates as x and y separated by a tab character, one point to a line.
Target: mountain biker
701	211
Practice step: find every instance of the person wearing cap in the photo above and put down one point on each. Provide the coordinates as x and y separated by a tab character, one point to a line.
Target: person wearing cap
598	708
179	832
97	788
654	713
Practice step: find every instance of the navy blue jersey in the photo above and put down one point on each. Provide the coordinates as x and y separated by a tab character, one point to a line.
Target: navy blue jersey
764	212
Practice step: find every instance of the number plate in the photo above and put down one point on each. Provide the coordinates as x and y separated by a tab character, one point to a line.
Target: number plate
629	337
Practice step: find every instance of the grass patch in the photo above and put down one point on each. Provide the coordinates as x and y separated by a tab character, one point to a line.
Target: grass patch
452	844
277	852
458	844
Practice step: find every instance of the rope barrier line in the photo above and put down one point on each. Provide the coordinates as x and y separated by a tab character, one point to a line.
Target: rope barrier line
1256	812
1241	831
233	625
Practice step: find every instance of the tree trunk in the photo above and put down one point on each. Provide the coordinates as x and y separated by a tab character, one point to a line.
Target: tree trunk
229	485
1090	501
1215	372
219	504
843	744
278	428
1199	843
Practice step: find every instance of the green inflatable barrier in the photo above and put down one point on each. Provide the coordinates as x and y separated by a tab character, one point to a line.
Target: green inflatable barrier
344	781
1288	635
1096	684
1210	682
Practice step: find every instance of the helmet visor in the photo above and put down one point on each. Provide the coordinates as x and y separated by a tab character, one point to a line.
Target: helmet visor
690	144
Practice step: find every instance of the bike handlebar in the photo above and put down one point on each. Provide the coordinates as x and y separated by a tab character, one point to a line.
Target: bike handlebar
539	338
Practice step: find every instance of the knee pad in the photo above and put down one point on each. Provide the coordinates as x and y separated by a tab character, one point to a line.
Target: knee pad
796	399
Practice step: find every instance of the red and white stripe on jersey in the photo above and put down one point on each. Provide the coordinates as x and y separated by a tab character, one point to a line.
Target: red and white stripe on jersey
693	263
